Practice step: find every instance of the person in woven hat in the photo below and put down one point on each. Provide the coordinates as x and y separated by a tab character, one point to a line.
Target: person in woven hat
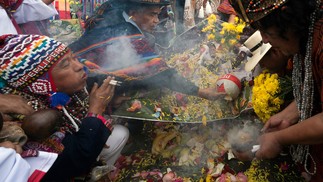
46	74
116	40
295	28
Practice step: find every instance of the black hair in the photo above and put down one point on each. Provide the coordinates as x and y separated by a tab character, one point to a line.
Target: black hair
110	12
293	16
130	6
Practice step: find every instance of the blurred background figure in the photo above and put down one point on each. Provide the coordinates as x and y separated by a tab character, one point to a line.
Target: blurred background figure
26	16
226	11
194	11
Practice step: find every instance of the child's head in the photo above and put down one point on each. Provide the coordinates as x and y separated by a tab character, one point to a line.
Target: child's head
41	124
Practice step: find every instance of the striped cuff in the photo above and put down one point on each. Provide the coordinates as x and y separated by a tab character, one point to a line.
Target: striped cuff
106	122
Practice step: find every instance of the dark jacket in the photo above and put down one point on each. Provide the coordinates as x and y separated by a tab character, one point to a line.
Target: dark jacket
111	38
81	150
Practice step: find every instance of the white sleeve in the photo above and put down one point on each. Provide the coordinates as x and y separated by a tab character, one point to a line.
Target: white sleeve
6	26
15	168
40	164
34	10
12	166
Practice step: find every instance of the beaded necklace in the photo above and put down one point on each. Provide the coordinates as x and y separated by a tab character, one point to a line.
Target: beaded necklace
304	91
254	7
77	108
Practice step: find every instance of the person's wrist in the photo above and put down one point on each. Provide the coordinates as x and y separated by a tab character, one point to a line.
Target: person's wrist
291	118
106	122
99	116
201	93
278	137
95	110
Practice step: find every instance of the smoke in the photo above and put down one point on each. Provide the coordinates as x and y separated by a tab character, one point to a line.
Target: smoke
242	137
120	54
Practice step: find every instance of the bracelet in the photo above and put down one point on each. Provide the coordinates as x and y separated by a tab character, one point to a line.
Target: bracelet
106	122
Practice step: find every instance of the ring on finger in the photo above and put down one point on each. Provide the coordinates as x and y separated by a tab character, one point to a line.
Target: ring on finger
29	103
101	97
107	98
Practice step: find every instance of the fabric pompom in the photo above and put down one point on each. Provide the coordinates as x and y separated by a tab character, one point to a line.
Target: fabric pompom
59	99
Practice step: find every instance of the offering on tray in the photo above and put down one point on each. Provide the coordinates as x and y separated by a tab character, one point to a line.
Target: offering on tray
206	68
229	84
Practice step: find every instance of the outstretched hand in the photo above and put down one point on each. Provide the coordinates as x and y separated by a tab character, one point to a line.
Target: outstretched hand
14	104
101	96
283	119
276	122
210	93
118	100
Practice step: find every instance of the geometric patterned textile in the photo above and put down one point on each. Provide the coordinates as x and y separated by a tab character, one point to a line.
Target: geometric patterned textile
25	61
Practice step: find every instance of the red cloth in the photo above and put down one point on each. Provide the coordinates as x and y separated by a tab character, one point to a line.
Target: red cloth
226	8
35	27
317	57
63	8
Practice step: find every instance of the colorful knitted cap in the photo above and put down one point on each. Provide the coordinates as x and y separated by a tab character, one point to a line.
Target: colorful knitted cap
25	62
253	10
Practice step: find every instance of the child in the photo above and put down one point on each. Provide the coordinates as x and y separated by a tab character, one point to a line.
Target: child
13	166
41	124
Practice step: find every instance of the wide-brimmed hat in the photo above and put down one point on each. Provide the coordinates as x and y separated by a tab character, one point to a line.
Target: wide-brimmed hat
253	10
151	2
257	49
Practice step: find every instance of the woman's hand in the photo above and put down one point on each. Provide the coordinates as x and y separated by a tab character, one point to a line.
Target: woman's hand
14	104
282	120
276	122
270	146
101	96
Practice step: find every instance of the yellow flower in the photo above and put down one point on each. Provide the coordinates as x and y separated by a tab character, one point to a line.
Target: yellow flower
240	28
265	95
208	178
228	36
212	18
236	20
211	37
233	41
